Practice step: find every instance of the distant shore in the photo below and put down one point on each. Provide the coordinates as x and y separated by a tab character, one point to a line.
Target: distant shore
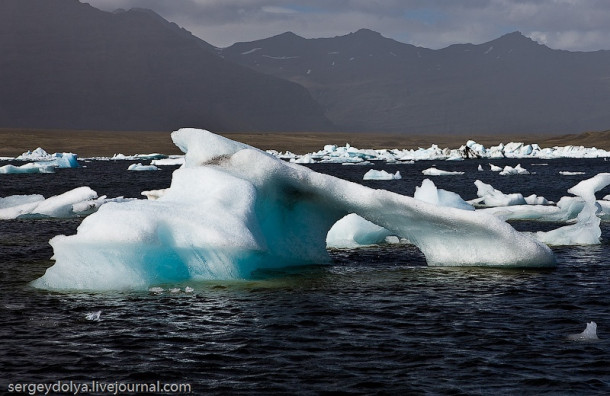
108	143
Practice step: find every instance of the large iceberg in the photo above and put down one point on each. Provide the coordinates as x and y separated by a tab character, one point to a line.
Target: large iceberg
223	218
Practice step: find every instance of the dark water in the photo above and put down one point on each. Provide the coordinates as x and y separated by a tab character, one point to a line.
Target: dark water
376	321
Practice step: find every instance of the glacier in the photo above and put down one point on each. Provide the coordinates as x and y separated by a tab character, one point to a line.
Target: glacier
223	218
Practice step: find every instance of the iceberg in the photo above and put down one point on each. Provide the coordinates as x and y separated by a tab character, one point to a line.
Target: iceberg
439	172
27	168
353	231
491	197
588	334
517	170
170	161
381	175
495	168
428	192
43	159
78	202
586	230
142	168
223	218
349	154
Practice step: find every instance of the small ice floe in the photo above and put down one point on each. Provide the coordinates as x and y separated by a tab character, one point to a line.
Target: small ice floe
439	172
94	316
174	290
139	167
517	170
381	175
188	289
365	163
568	173
495	168
480	168
589	334
156	290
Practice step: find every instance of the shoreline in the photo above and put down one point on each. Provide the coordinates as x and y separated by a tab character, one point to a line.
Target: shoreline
107	143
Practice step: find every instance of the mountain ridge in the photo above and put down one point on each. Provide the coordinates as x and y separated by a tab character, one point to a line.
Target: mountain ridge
512	84
68	65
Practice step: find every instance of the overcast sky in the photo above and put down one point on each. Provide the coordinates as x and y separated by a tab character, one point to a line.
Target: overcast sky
582	25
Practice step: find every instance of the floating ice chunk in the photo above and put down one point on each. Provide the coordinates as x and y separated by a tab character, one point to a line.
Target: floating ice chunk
438	172
517	170
588	334
27	168
353	231
188	289
536	200
480	168
44	159
495	168
94	316
36	155
139	167
381	175
436	196
303	159
174	290
492	197
587	188
59	206
586	231
568	173
223	218
138	157
171	161
156	290
365	163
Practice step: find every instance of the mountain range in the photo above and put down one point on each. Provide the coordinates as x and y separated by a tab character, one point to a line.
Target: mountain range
67	65
367	82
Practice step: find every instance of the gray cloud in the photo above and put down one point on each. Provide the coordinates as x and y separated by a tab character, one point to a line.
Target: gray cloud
563	24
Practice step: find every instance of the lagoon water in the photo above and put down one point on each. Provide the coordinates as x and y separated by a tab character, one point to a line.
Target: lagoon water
377	320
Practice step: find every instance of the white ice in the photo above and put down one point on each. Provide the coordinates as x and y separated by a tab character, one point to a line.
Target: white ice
27	168
142	168
491	197
569	173
80	201
439	172
586	230
517	170
588	334
171	161
495	168
346	154
428	192
43	159
373	174
224	218
353	231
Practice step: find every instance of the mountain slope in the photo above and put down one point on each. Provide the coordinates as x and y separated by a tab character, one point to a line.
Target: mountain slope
67	65
509	85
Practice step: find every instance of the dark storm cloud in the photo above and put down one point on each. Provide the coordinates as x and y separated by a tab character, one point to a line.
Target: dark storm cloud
565	24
